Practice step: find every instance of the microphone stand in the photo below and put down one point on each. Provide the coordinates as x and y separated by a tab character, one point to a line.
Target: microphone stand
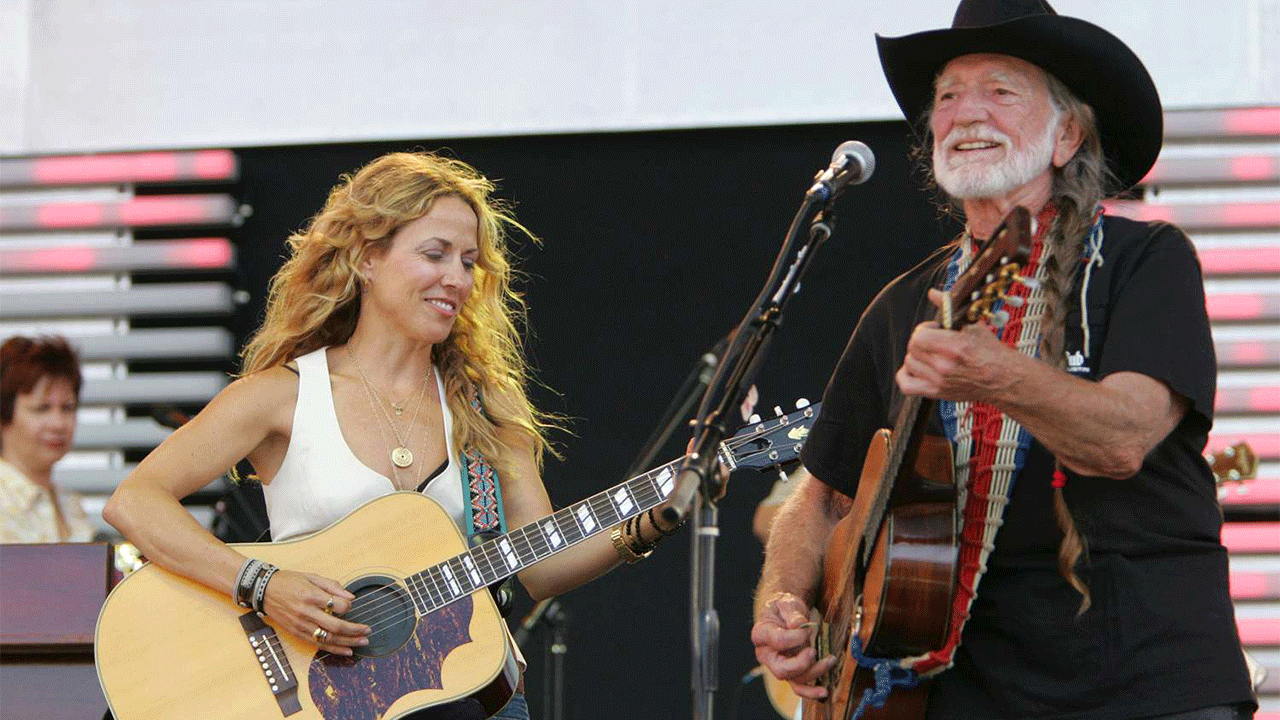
693	387
698	487
551	613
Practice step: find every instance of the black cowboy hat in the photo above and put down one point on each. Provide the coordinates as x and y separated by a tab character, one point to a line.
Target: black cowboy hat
1099	68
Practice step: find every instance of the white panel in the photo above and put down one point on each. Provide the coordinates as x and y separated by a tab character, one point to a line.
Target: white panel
130	74
15	37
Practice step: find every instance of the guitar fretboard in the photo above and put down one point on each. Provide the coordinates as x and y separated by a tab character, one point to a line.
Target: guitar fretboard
496	559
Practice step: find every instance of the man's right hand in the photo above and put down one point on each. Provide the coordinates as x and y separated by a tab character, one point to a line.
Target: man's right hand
783	636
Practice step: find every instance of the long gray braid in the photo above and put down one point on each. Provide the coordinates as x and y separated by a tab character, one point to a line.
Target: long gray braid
1078	188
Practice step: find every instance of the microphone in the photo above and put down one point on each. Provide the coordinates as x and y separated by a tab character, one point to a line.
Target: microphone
851	164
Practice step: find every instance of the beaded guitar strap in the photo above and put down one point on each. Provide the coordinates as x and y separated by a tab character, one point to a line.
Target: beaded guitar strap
481	490
989	447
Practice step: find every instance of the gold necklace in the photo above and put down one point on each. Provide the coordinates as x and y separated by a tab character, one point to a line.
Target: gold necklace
401	455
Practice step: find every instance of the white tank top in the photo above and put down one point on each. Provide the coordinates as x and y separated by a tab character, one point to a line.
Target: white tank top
321	480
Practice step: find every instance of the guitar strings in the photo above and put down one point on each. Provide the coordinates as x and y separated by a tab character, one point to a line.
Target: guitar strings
394	599
381	604
389	599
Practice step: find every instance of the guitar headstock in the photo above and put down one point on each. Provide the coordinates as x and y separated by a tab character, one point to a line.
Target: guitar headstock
991	274
1237	464
769	443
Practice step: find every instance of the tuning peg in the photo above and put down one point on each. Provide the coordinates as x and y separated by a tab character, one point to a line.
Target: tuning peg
778	411
1031	283
998	318
754	419
1012	300
802	404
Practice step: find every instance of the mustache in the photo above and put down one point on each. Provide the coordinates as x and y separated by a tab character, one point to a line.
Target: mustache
974	133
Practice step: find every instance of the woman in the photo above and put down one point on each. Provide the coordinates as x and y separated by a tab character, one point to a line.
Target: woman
39	394
391	323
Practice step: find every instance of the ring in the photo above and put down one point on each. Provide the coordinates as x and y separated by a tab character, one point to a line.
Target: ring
328	606
320	634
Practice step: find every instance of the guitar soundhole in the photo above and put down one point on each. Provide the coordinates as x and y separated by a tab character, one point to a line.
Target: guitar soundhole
386	608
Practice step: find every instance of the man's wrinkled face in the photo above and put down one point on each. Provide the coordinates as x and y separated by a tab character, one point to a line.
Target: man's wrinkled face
994	125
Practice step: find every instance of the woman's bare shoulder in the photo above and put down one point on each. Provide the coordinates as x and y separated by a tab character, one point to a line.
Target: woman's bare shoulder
266	396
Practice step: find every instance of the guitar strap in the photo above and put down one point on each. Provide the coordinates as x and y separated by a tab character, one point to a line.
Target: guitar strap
481	490
990	448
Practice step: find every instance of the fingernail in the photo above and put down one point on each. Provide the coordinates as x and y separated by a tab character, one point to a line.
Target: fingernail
362	641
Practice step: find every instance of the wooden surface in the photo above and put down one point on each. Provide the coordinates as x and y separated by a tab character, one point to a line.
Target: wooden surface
50	596
50	690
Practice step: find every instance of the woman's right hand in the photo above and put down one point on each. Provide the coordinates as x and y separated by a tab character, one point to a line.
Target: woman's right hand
298	602
783	637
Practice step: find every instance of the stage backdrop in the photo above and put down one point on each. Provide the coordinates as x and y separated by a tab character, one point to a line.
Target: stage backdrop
654	244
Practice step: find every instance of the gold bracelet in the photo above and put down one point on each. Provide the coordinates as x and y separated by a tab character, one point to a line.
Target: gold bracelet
629	556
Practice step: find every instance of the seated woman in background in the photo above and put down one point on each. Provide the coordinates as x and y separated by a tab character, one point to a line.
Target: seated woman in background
389	325
39	394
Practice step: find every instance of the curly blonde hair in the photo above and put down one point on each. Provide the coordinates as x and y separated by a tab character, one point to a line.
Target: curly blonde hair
314	299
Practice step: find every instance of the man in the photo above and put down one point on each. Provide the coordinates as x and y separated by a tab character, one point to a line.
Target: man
1095	403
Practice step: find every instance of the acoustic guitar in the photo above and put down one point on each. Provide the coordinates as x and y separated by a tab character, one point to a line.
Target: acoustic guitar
169	648
1236	464
890	567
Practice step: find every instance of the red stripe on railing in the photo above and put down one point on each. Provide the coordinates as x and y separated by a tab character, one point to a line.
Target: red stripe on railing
165	210
1235	306
125	168
1253	167
193	253
1248	352
1253	121
1254	585
147	210
1251	537
1239	261
1259	631
1255	399
214	164
71	215
203	252
1265	445
1244	215
104	168
1203	170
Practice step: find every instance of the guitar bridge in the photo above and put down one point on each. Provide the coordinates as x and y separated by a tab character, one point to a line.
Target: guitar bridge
273	662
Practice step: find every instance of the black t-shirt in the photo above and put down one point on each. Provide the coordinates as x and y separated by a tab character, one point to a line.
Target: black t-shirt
1160	636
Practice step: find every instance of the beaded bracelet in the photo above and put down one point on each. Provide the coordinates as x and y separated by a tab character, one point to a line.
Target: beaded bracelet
245	580
636	541
260	587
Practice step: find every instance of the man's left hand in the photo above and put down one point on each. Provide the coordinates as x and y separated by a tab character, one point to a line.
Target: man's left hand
969	364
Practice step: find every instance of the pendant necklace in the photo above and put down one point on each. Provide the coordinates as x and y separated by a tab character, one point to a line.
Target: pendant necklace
401	455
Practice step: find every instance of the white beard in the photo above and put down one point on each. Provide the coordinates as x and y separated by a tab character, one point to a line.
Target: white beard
968	179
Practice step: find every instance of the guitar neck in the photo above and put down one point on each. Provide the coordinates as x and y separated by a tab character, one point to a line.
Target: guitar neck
494	560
